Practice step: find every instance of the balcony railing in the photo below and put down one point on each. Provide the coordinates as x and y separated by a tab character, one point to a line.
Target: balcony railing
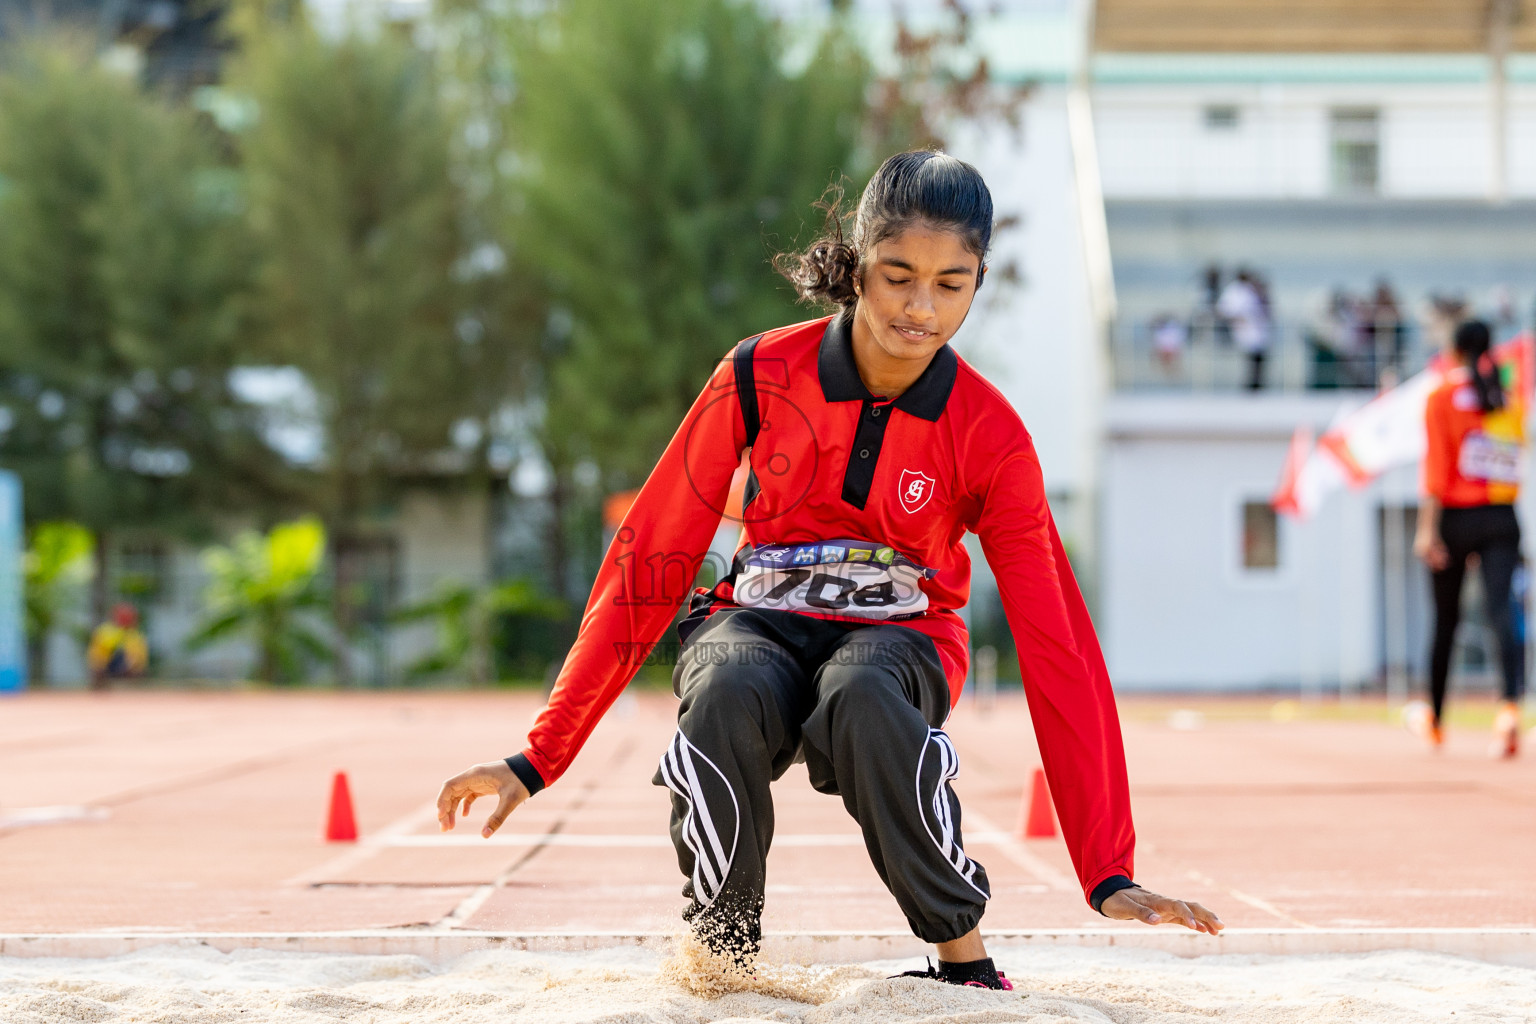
1296	359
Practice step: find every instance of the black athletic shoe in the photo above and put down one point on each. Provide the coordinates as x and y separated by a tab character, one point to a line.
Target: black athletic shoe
950	977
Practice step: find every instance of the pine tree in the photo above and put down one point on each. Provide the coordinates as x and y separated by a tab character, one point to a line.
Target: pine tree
122	267
663	150
356	213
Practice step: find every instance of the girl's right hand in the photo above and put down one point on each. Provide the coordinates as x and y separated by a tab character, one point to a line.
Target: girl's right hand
1431	551
493	778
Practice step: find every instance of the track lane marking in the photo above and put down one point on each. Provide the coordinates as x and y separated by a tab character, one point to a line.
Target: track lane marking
1253	901
367	847
1014	849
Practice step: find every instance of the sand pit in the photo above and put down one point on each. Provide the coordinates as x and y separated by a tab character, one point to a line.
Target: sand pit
170	985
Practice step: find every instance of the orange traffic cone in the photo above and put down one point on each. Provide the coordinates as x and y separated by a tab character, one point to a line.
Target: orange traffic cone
1036	820
340	825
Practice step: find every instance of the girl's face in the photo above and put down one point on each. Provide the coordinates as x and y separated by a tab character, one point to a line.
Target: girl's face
916	289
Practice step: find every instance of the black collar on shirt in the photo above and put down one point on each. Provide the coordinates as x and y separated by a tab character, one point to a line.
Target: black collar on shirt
840	381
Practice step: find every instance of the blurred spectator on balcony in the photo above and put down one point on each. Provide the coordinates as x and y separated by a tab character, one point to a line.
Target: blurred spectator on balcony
1169	336
1442	316
1244	303
117	649
1333	335
1381	340
1206	321
1504	321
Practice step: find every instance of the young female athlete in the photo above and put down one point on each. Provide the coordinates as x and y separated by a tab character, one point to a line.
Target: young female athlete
835	638
1475	433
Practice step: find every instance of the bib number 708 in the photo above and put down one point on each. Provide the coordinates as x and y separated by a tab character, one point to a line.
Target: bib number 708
843	590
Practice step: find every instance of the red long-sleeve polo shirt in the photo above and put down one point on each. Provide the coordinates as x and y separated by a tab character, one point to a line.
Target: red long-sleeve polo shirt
834	463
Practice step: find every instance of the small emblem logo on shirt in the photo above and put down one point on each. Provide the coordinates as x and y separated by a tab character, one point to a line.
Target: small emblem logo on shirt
916	489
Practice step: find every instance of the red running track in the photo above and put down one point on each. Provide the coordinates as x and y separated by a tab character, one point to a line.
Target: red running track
164	811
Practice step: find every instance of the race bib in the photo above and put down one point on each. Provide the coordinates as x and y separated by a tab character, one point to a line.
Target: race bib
1489	458
838	577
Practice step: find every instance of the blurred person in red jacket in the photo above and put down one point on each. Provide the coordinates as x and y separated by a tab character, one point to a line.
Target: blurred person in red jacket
835	639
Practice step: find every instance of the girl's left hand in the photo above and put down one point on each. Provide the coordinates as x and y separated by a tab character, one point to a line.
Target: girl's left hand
1138	904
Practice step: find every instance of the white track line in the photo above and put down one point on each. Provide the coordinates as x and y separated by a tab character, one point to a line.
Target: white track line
1014	849
1515	946
25	817
471	904
1252	901
1268	908
367	847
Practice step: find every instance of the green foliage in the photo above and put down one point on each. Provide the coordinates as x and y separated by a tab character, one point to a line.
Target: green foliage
260	586
501	312
664	151
354	207
58	558
466	618
122	268
56	567
559	214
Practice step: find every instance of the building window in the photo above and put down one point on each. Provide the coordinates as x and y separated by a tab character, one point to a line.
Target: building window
1261	536
1221	118
1355	140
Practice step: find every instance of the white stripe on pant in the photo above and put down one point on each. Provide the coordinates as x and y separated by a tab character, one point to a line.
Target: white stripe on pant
949	770
863	706
711	861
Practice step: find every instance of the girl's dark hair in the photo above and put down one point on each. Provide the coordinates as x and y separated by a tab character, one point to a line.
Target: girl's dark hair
920	186
1473	341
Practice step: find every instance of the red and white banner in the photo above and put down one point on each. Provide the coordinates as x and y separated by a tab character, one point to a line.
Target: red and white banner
1386	432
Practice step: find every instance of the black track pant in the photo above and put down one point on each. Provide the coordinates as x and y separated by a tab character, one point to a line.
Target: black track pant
1493	533
863	706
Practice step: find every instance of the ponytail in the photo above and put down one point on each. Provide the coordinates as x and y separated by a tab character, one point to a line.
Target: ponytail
1473	342
825	271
